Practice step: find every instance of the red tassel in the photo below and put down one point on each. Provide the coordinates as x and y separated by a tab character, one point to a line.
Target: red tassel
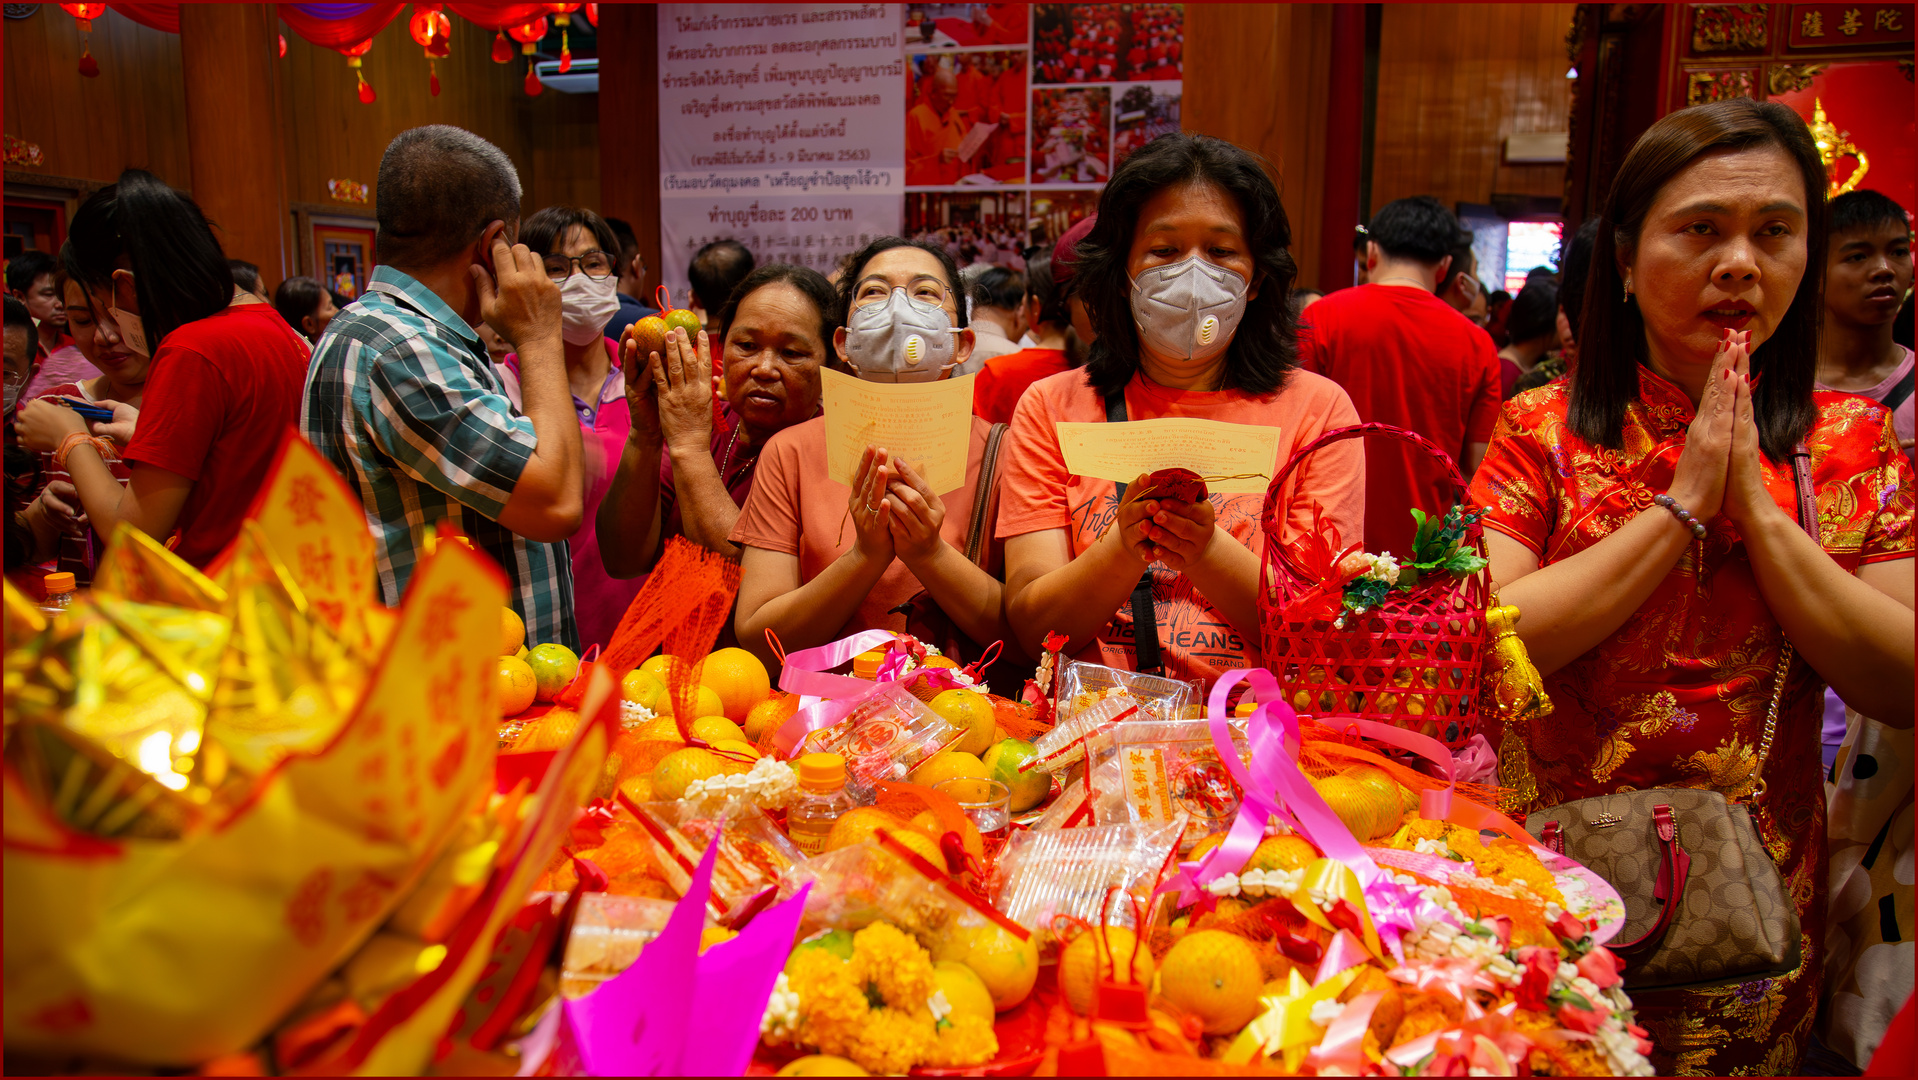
533	85
89	66
565	61
366	92
282	46
502	49
433	80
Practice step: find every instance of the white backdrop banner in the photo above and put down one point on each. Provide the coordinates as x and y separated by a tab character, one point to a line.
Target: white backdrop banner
779	127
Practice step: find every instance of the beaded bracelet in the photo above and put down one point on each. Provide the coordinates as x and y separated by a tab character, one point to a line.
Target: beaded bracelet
103	447
1683	515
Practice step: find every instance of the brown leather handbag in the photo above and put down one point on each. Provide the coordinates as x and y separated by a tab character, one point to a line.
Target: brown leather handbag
1705	904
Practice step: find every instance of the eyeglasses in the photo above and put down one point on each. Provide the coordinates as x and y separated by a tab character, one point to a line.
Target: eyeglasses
596	265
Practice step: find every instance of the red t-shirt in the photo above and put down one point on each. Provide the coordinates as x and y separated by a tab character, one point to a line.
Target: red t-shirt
1409	359
996	392
221	394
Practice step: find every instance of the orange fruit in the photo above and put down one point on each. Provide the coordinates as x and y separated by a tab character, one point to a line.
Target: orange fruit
661	666
516	686
644	689
857	825
972	711
1087	959
940	661
705	703
1282	853
1364	810
821	1065
769	714
512	632
738	678
1215	976
948	764
1008	966
659	729
717	729
1389	791
549	732
1204	847
637	788
919	844
680	768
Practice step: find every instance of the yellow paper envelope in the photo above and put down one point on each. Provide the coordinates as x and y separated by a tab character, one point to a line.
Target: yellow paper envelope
927	424
1120	452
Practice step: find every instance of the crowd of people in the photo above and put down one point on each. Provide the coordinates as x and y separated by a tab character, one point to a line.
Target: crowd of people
1083	43
1722	337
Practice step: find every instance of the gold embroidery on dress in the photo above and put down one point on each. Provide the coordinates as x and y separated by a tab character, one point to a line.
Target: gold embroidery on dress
1658	714
1515	776
1611	755
1744	674
1726	770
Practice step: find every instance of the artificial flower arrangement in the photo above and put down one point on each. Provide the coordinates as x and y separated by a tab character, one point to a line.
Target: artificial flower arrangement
1439	547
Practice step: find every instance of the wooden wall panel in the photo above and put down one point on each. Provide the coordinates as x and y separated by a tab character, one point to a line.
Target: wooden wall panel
1257	75
1454	81
329	134
132	115
230	56
628	128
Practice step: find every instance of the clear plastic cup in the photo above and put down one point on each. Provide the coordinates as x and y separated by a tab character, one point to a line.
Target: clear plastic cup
988	803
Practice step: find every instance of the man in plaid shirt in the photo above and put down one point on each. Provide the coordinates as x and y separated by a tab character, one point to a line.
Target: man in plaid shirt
403	399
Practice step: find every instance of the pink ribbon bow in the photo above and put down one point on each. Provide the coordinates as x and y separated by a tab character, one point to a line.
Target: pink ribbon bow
825	698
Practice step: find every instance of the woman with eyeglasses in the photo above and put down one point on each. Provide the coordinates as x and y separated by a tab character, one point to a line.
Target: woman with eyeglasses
579	251
821	560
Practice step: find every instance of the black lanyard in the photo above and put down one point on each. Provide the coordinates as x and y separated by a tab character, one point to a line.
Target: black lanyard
1145	626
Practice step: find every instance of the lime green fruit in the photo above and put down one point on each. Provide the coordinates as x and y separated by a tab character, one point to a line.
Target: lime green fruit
1030	788
553	667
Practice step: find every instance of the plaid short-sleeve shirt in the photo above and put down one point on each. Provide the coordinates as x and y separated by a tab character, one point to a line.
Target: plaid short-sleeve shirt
404	401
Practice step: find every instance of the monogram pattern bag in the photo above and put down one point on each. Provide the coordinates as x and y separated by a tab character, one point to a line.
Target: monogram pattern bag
1704	903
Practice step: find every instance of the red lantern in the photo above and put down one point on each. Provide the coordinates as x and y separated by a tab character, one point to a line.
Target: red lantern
528	34
431	29
282	46
502	49
592	13
353	54
84	14
563	18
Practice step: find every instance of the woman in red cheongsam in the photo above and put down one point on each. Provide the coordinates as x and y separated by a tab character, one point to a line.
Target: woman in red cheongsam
1642	520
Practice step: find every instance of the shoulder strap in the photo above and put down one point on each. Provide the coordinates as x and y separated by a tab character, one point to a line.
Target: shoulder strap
1145	624
1808	521
1900	392
984	495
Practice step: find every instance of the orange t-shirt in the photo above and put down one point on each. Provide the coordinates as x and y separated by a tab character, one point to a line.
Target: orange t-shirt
1004	379
796	509
1195	640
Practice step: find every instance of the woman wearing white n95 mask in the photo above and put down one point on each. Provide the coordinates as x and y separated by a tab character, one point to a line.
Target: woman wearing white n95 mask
580	253
1186	278
820	560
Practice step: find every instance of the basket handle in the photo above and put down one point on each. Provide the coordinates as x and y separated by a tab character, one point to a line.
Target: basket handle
1354	431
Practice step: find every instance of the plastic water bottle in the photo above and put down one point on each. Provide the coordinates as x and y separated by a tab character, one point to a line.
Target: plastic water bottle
59	597
823	798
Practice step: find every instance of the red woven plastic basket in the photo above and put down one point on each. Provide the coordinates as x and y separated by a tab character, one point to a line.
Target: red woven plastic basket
1413	661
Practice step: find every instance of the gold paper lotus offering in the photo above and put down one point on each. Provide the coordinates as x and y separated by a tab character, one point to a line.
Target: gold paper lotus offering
153	706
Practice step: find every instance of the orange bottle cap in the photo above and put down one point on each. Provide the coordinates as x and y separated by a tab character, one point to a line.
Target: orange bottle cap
58	582
866	664
822	772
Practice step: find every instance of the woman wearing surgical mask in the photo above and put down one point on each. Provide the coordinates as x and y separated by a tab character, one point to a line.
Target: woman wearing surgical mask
221	391
821	560
1186	278
581	257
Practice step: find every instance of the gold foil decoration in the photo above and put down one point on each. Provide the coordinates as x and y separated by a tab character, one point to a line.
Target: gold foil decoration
1512	688
1834	146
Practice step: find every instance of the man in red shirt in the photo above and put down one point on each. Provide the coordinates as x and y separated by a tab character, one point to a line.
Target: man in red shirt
1410	359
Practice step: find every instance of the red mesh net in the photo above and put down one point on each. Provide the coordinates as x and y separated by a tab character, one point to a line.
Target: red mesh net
682	608
1323	751
1413	661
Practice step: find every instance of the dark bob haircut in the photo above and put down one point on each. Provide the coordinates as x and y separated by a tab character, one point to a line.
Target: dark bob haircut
1611	345
180	275
811	283
1265	348
545	231
856	268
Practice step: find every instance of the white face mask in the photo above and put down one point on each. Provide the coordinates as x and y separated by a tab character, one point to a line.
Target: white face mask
1188	309
132	330
901	340
586	306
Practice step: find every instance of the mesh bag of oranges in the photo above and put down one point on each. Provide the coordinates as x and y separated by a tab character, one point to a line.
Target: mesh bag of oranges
217	787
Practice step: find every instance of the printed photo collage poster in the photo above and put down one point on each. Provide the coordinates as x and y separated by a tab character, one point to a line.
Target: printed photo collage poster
804	131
